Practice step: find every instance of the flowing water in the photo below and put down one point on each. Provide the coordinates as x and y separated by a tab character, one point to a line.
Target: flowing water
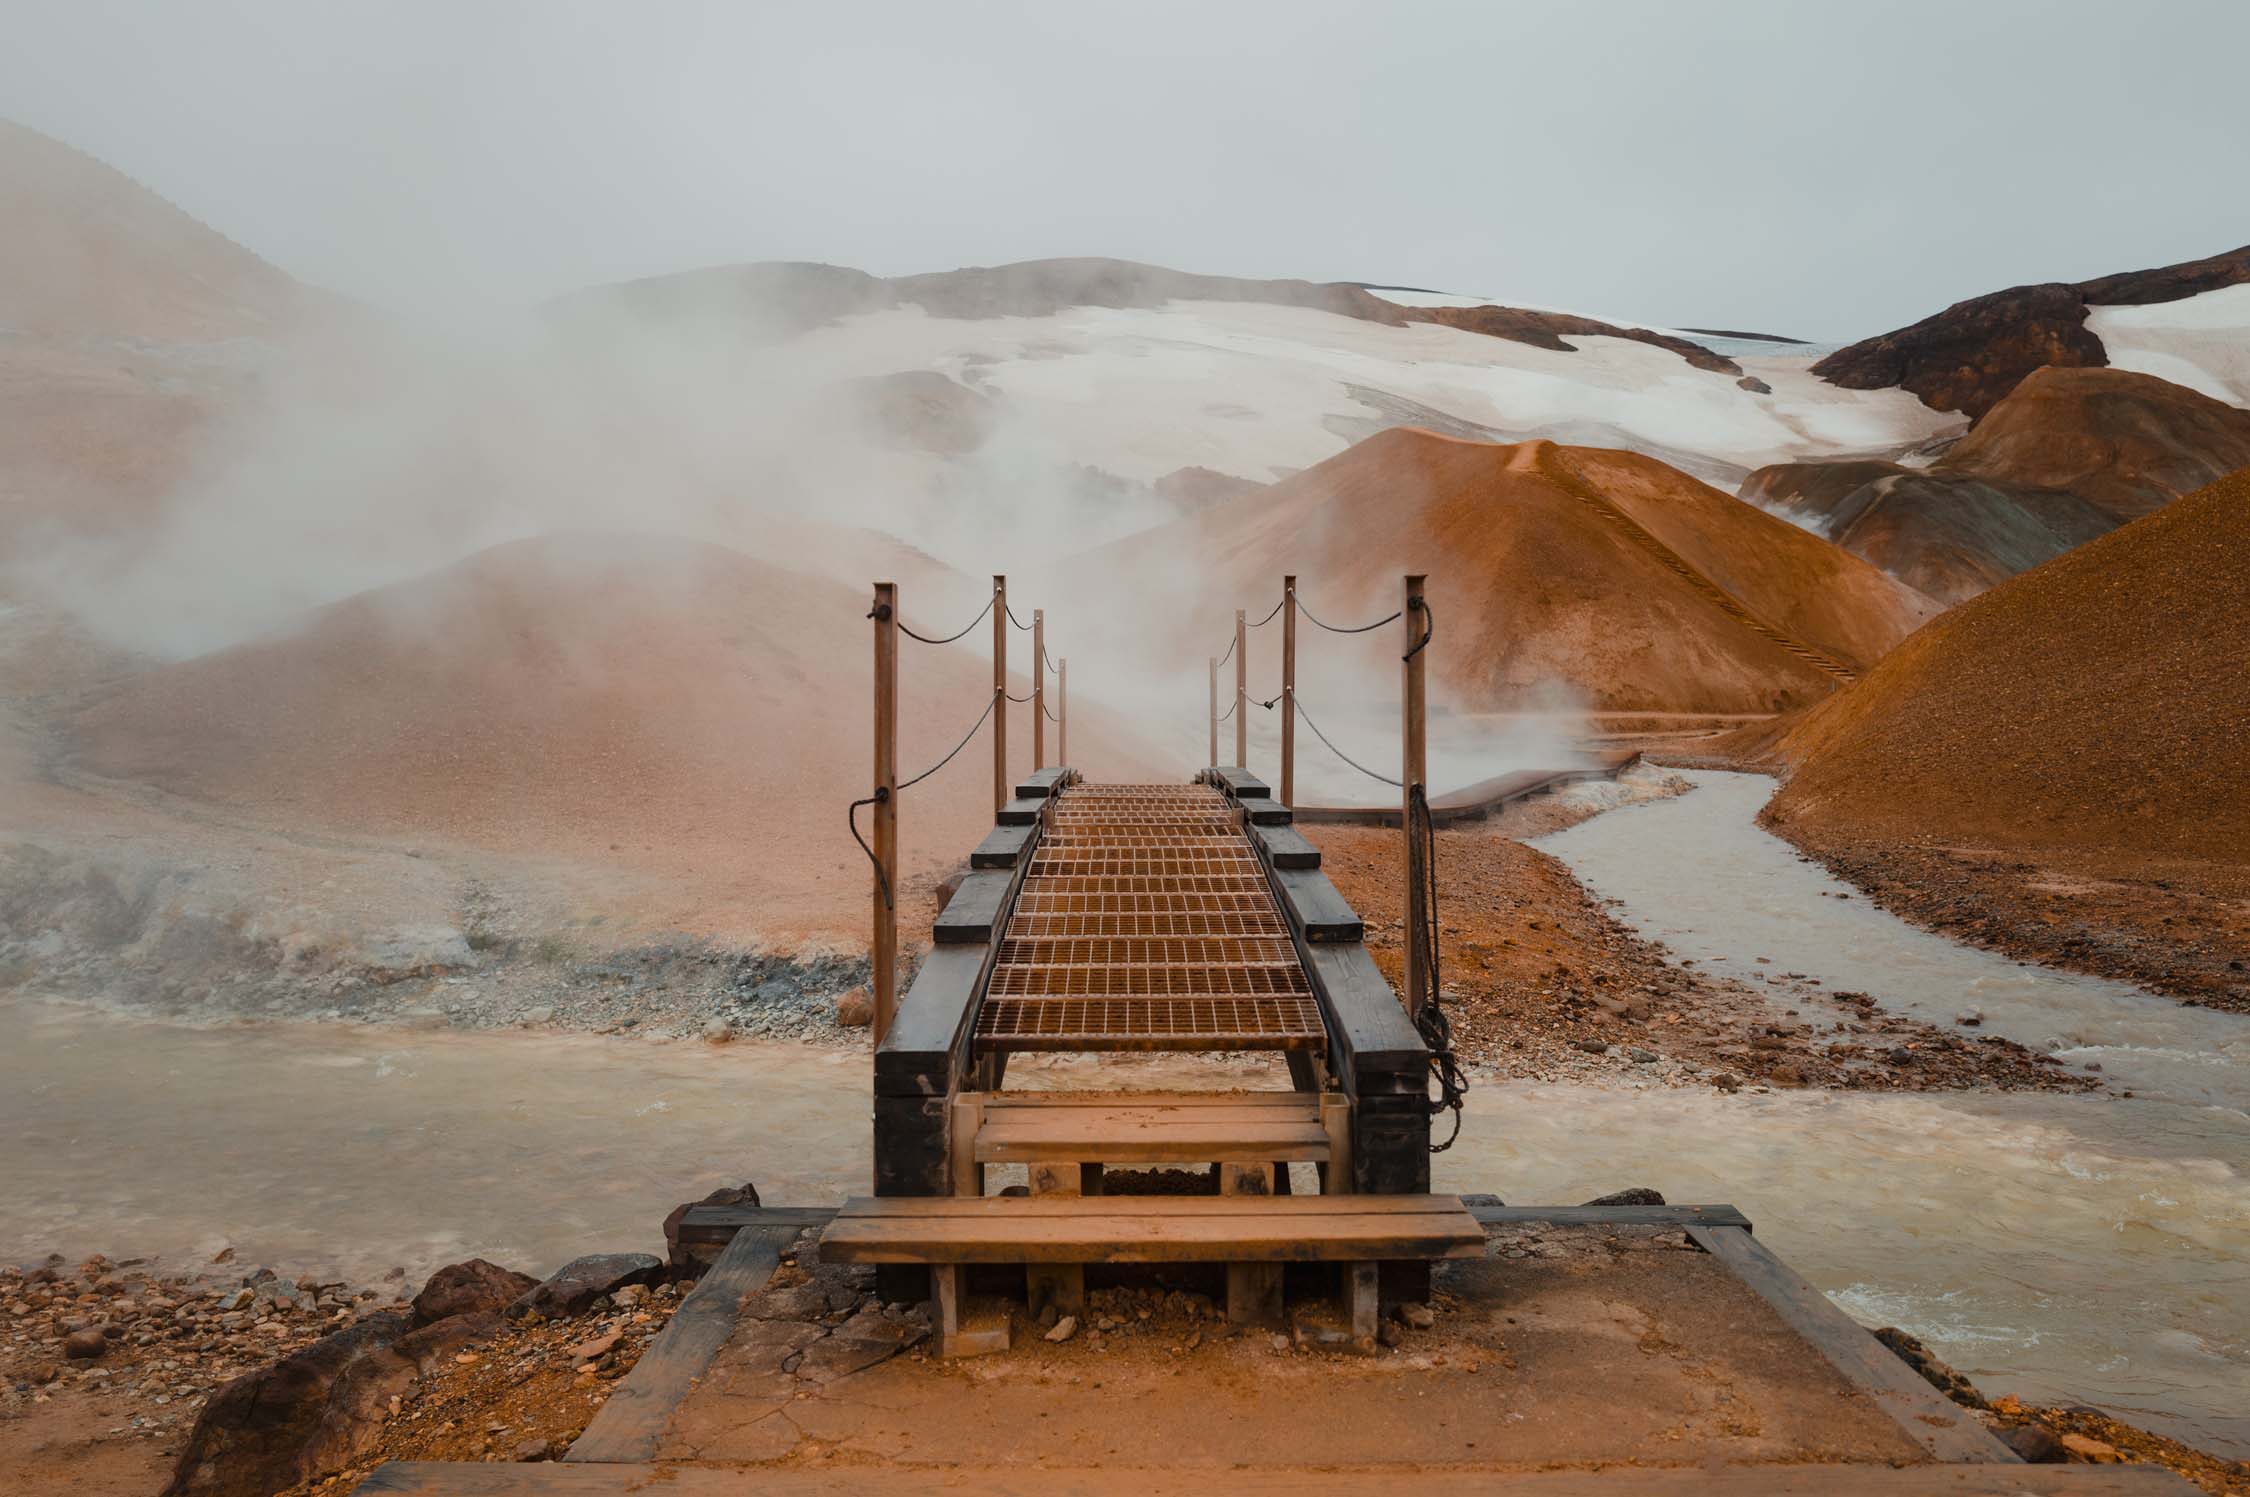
2086	1247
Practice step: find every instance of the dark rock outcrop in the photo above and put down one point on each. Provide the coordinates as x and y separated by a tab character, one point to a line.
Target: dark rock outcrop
1547	330
1934	1372
468	1289
2035	1444
1968	357
1638	1195
575	1286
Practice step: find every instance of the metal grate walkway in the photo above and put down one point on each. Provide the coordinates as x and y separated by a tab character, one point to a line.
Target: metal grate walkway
1145	923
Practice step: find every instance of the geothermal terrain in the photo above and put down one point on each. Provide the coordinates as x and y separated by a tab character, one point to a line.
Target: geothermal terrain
511	671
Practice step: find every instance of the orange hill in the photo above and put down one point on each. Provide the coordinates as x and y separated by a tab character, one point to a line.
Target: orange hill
1623	580
621	699
2096	701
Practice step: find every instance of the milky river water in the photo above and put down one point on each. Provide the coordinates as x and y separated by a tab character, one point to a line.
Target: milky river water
2096	1247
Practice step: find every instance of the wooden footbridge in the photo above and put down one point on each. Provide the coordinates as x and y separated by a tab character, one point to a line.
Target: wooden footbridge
1193	917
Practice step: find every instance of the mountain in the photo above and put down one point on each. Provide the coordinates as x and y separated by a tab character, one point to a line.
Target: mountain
92	254
623	699
2097	701
1969	356
1602	579
2066	456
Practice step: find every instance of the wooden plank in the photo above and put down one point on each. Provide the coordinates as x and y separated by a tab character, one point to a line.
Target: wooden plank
1005	1100
1240	782
1174	1143
1611	1216
1373	1045
1285	847
1268	813
975	911
1022	811
628	1427
1040	783
932	1024
1138	1235
1310	1208
548	1479
1002	846
1316	912
1931	1420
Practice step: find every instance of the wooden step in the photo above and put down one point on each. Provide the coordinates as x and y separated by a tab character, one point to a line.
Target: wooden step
1150	1229
1120	1128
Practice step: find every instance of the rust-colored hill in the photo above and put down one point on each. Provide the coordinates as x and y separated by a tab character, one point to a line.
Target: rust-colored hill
2094	702
89	252
2069	455
609	699
1622	582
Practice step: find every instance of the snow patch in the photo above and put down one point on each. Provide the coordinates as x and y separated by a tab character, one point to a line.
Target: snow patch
2201	342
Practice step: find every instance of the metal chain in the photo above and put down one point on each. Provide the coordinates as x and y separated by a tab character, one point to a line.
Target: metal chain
1430	1019
883	793
1339	753
1362	629
965	628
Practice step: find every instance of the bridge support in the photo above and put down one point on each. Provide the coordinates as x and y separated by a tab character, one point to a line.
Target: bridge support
1038	688
1241	690
1289	691
885	831
1414	773
999	693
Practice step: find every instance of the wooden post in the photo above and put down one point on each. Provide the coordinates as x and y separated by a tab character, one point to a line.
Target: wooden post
1038	688
1413	772
886	806
1241	690
999	694
1214	710
1062	712
1289	691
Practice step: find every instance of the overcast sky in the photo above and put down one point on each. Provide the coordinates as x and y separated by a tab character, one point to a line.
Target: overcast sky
1819	168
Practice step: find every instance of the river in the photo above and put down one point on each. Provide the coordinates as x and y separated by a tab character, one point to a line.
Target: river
2089	1247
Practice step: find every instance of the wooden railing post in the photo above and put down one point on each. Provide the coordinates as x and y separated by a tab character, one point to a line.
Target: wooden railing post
885	792
1413	773
1241	690
1289	691
999	694
1214	711
1062	712
1038	688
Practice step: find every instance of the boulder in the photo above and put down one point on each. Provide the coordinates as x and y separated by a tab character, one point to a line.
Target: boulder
855	1009
1638	1195
2034	1443
468	1289
683	1263
573	1288
251	1438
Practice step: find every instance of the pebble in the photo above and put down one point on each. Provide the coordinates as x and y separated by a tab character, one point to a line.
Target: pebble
1420	1317
1065	1328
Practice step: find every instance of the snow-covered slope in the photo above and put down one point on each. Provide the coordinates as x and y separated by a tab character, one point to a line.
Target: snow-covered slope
2202	342
1260	391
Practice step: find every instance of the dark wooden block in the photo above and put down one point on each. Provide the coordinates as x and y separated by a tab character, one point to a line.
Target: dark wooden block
1316	912
974	912
1268	813
1391	1145
1285	847
910	1153
1040	783
1240	782
921	1055
1002	846
1023	811
1372	1045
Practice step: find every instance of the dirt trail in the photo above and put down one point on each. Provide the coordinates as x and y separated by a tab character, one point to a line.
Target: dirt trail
1545	462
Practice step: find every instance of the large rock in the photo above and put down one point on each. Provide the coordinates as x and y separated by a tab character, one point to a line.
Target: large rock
683	1261
252	1437
574	1287
1638	1195
1937	1374
351	1424
468	1289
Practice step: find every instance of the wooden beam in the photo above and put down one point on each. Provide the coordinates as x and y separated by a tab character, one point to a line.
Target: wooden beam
548	1479
999	692
1002	846
1414	775
884	839
1289	690
628	1426
1214	709
1285	846
1241	689
1930	1419
1062	711
1038	688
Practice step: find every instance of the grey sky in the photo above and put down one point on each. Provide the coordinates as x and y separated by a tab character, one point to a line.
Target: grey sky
1817	168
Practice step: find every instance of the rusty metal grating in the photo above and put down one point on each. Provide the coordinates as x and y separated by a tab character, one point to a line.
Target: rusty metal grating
1150	1024
1022	948
1145	922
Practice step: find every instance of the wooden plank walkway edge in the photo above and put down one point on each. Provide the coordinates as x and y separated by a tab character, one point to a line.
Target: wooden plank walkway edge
628	1427
1930	1419
462	1479
712	1226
